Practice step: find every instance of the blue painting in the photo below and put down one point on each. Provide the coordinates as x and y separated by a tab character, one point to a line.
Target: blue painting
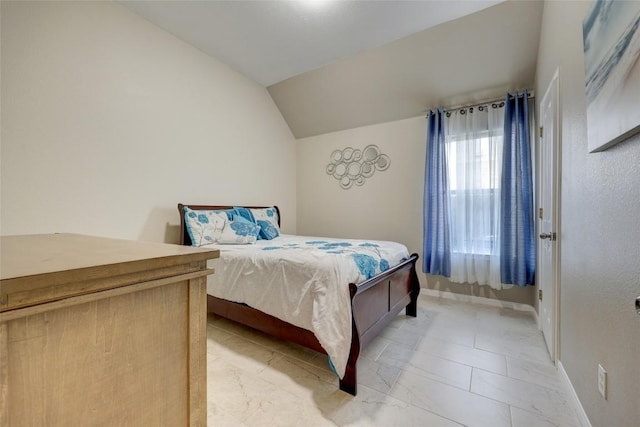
612	67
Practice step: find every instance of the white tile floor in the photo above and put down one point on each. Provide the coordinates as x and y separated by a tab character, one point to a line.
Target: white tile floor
455	364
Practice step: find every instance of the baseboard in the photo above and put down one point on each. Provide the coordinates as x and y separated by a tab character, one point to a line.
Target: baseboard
582	415
480	300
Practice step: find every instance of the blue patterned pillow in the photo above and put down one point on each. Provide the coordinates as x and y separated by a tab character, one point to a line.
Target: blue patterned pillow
267	219
242	212
204	227
239	231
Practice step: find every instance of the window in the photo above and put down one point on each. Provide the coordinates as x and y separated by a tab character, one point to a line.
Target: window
474	163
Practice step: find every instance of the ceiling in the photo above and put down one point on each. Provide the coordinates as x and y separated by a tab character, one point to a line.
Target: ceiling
334	64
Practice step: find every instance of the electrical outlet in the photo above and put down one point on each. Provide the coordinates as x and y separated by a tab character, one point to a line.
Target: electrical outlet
602	381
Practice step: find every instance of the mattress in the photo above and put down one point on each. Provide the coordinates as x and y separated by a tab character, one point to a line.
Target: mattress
304	281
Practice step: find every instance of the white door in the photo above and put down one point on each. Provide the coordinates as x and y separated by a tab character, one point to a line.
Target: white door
547	217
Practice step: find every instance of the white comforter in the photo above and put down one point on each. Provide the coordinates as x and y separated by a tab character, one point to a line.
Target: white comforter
303	281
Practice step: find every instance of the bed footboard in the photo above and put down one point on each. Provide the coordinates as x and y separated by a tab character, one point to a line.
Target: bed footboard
374	304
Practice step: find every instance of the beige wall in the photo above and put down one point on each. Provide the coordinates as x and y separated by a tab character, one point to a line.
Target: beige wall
108	122
388	206
600	236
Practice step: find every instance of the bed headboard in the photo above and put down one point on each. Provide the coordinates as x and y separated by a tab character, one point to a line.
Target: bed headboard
184	235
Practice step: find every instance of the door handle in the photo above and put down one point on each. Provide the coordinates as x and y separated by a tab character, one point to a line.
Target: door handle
551	236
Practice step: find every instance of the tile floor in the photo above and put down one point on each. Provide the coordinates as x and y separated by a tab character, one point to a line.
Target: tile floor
456	364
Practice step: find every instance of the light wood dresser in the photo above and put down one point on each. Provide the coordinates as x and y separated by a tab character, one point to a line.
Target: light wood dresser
102	332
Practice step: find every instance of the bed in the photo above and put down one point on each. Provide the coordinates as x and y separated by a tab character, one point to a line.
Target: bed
372	301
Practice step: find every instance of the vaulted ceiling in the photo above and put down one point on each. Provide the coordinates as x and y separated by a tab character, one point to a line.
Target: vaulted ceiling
337	65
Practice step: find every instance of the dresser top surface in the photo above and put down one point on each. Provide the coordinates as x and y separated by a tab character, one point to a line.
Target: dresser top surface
38	254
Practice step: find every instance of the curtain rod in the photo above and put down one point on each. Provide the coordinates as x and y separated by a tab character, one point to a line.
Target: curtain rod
477	104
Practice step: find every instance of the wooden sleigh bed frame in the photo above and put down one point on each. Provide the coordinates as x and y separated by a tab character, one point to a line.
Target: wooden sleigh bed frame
374	304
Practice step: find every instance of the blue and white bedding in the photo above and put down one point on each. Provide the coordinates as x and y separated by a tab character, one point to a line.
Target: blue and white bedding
303	281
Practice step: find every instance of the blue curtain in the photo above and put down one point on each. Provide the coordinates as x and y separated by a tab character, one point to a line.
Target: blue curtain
517	239
437	243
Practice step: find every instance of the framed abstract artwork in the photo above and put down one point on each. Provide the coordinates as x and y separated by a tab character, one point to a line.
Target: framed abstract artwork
611	35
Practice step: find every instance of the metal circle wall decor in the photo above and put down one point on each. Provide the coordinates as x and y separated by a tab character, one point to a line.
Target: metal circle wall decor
352	166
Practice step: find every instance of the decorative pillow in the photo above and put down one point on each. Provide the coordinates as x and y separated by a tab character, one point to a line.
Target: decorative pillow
239	231
204	227
242	212
267	219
